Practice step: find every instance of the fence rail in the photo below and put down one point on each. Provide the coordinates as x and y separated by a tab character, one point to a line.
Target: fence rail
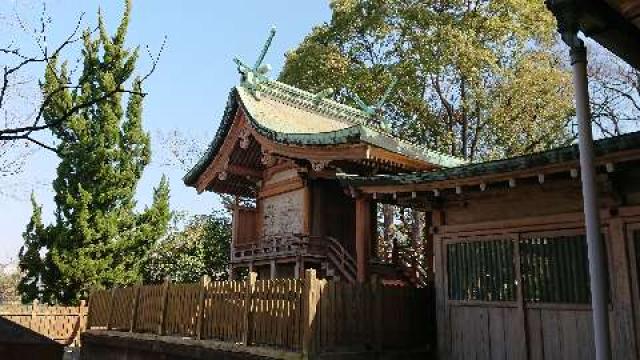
306	315
60	323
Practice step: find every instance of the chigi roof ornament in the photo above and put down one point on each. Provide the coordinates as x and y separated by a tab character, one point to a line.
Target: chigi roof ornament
375	109
252	77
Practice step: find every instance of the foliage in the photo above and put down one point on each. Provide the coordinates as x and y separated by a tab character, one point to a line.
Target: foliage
200	248
9	280
477	79
98	238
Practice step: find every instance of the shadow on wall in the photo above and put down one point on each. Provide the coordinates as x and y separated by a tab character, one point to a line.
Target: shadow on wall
20	343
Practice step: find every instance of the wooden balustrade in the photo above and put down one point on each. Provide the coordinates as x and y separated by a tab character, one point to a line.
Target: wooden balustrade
305	315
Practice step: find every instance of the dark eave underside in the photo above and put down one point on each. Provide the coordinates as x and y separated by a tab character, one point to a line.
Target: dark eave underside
609	27
569	155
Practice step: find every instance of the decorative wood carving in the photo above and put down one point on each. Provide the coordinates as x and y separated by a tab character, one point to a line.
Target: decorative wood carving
244	138
319	165
267	159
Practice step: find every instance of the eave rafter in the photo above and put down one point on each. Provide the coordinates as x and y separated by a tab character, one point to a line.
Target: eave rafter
481	183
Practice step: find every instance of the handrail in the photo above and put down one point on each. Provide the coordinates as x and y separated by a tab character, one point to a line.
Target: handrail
341	258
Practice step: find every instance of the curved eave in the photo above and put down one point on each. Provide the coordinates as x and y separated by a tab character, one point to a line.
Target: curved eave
350	135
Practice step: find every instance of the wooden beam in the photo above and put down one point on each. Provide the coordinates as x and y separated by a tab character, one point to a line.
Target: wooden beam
363	238
281	187
222	158
570	166
244	171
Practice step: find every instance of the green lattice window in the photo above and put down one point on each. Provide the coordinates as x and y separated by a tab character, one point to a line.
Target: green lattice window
555	269
481	270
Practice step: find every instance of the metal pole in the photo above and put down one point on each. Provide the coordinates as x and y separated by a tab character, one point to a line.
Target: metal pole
597	263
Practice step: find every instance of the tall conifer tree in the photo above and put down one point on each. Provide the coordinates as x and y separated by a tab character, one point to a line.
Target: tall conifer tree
98	239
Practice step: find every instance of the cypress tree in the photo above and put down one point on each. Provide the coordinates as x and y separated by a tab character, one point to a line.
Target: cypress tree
98	239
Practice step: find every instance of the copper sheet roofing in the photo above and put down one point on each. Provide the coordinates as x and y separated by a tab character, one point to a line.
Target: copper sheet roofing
288	115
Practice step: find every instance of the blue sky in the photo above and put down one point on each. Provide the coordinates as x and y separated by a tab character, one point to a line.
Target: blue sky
187	92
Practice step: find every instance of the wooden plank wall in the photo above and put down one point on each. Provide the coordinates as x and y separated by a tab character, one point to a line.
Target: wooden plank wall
60	323
182	310
224	311
309	315
522	329
370	316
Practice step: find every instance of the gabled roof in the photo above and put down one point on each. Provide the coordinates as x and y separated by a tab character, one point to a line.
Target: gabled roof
564	155
291	116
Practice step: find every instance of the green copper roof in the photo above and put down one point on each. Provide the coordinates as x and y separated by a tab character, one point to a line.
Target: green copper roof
556	156
288	115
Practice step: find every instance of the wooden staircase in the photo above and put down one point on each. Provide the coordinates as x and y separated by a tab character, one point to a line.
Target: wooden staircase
340	264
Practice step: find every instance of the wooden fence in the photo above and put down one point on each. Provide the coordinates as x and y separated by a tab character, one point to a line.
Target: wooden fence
60	323
306	315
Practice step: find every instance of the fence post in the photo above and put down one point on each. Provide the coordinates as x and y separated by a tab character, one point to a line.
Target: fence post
134	308
34	307
309	303
163	307
82	323
110	318
204	283
251	283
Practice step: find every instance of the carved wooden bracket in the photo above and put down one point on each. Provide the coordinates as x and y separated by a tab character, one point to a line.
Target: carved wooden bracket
267	159
319	165
245	140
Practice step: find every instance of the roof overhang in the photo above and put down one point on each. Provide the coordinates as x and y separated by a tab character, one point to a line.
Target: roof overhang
615	24
353	143
608	151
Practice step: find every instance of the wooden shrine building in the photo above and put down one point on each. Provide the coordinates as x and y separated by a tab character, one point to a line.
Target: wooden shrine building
281	147
510	253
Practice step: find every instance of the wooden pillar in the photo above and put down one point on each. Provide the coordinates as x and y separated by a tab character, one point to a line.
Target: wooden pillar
309	306
373	249
204	284
272	272
298	271
442	310
363	238
251	284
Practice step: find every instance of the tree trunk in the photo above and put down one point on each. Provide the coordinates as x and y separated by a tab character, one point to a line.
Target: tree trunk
387	223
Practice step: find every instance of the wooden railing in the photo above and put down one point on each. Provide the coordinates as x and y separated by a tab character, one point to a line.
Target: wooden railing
281	245
60	323
304	315
341	259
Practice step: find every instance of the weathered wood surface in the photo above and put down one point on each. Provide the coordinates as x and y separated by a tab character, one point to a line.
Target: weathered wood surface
60	323
534	328
304	315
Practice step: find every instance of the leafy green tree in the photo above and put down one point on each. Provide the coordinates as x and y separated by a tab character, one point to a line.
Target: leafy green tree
31	262
200	248
98	238
477	79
